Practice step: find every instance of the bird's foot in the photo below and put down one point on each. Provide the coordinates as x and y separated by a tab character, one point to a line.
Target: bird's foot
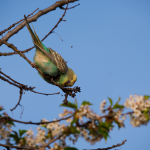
65	101
33	65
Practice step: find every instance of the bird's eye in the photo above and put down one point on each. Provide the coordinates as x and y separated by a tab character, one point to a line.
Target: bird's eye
68	81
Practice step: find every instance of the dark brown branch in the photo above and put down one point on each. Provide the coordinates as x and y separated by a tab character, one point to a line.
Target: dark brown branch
9	78
25	87
21	87
21	54
114	146
12	53
16	23
35	17
16	50
27	50
4	79
11	146
34	123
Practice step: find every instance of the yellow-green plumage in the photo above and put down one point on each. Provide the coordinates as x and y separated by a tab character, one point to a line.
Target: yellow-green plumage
51	63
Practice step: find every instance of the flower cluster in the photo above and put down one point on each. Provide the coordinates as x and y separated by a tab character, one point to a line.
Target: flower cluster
93	136
141	109
86	111
83	122
5	130
55	129
50	131
102	106
44	135
116	113
118	117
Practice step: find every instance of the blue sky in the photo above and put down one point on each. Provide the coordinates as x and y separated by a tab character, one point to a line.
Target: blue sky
110	55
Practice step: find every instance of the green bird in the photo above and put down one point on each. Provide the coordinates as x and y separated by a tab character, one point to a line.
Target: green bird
51	63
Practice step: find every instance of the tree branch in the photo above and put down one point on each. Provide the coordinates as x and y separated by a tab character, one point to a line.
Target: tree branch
27	50
35	17
51	141
17	147
117	145
34	123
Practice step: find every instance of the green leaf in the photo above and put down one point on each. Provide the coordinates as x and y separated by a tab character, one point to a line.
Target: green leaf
104	129
70	148
118	100
118	106
21	132
76	103
15	136
111	101
146	97
73	129
117	123
1	109
86	103
10	122
74	121
15	133
70	105
104	133
146	115
105	126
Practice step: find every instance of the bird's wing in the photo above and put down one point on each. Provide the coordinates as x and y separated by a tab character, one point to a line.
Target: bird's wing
59	61
56	59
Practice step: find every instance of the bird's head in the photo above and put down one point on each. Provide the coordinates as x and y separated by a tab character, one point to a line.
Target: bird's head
68	79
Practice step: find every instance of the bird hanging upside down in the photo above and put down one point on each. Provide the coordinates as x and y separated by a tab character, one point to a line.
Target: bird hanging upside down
51	63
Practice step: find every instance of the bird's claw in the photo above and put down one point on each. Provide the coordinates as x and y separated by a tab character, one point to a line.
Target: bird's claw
65	101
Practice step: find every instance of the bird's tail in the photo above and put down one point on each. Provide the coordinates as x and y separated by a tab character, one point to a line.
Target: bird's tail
34	36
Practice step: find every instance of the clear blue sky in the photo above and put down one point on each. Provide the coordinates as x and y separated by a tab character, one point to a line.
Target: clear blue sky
110	55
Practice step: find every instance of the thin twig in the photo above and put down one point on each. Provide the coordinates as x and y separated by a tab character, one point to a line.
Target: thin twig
16	23
18	147
117	145
4	79
70	7
58	35
51	141
9	77
21	92
61	19
34	123
45	93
